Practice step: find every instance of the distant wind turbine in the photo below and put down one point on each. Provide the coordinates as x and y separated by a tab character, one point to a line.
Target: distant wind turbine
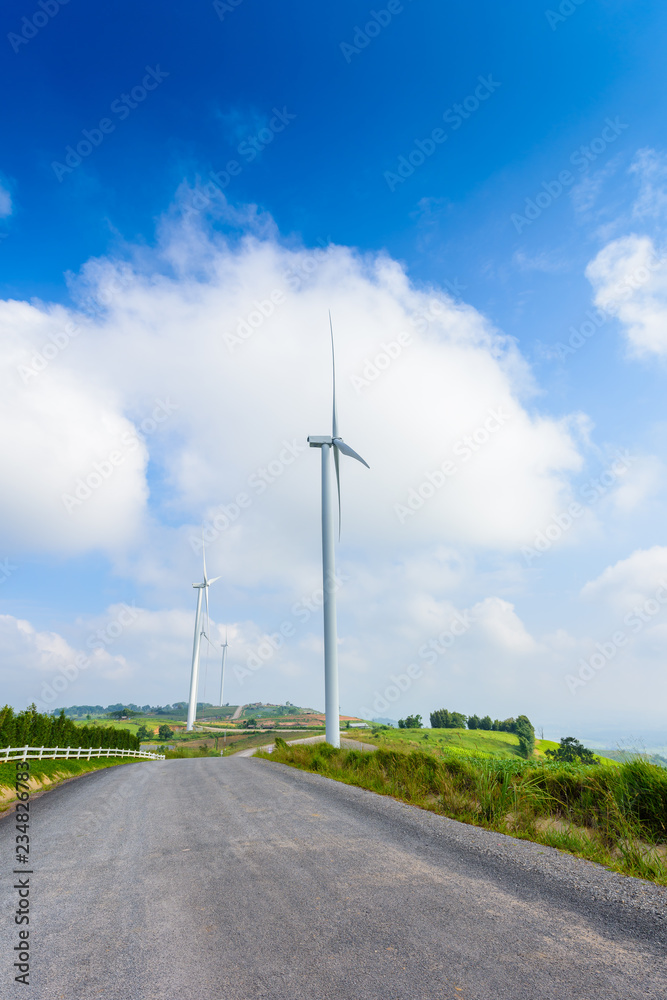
222	671
329	444
194	678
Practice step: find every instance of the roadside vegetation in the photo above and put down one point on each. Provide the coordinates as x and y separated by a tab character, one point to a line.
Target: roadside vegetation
609	812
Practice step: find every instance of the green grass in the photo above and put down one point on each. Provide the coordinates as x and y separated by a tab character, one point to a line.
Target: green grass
479	742
55	771
612	814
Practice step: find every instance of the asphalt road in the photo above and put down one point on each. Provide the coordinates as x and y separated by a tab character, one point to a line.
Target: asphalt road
243	879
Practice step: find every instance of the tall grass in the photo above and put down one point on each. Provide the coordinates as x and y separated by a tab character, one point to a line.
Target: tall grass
614	815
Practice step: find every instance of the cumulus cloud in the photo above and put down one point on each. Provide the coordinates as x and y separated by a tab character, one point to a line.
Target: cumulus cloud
192	373
629	274
630	581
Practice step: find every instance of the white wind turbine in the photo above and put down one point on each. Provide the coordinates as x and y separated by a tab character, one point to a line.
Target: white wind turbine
201	588
222	671
329	444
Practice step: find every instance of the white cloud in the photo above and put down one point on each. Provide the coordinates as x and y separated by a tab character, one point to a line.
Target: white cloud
6	207
164	324
629	274
629	581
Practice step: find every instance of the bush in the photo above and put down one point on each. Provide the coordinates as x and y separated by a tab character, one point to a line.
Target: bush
572	751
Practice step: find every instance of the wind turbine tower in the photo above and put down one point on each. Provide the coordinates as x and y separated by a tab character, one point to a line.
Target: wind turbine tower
222	671
202	589
328	445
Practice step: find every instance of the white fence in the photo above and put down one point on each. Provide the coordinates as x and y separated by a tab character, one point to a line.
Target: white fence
71	753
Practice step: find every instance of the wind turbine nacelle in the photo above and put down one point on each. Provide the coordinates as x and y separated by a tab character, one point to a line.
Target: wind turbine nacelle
316	441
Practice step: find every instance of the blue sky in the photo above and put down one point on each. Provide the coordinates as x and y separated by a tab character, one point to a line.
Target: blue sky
319	112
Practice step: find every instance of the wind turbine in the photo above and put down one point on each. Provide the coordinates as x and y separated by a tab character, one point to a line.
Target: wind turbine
201	588
329	444
222	672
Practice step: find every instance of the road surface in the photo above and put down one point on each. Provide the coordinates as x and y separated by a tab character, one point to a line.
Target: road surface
245	879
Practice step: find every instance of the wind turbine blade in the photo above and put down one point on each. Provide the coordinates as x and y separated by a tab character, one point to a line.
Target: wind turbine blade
203	555
337	466
350	452
214	580
208	623
334	422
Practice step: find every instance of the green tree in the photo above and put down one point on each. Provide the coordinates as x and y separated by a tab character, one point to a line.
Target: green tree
143	733
164	732
412	722
251	723
444	719
523	728
571	751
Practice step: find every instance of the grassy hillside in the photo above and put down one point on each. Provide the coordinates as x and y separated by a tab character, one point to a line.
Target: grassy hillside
479	743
